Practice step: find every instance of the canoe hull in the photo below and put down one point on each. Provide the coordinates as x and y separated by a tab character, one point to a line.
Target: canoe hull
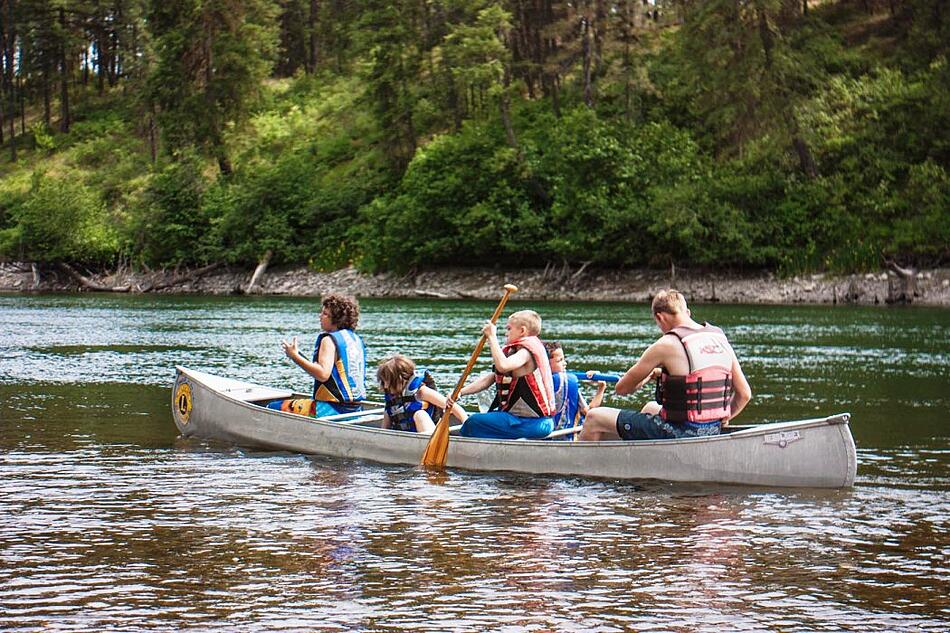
808	453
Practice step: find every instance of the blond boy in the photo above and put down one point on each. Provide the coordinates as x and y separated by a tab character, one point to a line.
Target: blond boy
524	397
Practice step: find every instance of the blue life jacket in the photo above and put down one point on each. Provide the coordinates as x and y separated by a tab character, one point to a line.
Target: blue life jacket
566	400
403	407
346	385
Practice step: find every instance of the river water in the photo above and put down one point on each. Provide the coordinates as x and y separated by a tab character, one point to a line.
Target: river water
108	520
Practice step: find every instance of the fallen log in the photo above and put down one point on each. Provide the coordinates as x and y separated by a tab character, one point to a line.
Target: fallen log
179	279
85	282
431	294
580	271
908	279
259	272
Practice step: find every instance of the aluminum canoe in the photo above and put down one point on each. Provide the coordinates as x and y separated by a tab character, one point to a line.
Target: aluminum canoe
817	452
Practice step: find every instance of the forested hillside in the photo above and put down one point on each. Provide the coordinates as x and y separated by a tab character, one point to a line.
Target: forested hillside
395	134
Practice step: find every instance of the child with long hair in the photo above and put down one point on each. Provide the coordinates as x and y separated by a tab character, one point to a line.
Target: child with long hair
412	403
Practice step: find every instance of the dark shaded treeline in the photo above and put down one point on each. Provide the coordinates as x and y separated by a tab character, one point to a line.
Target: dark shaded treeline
746	133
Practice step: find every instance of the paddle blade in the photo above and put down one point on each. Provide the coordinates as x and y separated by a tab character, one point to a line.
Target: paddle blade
438	447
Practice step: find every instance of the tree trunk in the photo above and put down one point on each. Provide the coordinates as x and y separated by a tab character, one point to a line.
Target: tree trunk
152	139
312	32
224	163
452	97
600	18
9	40
100	61
180	279
765	34
85	282
22	93
805	159
115	44
586	64
47	105
113	64
12	120
259	272
627	62
64	121
504	106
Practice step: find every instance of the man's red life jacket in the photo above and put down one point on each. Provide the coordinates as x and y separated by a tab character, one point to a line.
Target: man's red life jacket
705	393
531	395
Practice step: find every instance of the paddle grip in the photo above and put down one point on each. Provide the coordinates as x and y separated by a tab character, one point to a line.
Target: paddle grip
481	343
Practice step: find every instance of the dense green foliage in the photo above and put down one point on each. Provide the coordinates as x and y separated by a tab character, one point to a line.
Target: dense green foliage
770	133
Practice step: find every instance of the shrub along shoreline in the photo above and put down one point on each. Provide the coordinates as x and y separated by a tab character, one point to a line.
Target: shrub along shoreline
930	287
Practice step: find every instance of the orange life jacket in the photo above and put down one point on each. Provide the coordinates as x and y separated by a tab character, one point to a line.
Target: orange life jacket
531	395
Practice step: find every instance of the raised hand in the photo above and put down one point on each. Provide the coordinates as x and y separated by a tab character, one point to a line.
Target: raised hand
290	348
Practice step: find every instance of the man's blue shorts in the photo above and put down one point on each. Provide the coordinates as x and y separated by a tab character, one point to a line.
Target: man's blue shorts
634	425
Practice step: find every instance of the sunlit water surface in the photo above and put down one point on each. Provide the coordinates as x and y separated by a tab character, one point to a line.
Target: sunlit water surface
108	520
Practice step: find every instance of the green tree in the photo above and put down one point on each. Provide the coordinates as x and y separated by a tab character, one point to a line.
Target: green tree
212	56
479	58
170	228
61	220
744	74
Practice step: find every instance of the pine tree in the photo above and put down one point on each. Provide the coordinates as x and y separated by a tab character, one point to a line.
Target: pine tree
211	57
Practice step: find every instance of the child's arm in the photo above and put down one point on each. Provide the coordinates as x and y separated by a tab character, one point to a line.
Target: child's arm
434	397
504	364
598	397
386	423
325	357
481	383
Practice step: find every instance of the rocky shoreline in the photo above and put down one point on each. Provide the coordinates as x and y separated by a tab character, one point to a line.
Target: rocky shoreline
930	287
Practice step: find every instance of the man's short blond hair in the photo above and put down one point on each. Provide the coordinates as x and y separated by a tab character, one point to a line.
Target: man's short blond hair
669	301
528	319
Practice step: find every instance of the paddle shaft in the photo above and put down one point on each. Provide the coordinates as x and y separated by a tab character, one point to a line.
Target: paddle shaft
479	348
437	448
582	375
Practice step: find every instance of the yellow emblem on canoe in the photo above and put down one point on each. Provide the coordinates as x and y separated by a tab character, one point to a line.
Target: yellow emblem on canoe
183	401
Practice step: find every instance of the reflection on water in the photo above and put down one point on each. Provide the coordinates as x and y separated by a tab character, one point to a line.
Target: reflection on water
107	520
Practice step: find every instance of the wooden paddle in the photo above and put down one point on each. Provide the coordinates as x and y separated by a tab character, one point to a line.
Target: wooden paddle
438	447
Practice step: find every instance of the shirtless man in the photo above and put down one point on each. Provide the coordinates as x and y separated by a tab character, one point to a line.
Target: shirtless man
701	385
